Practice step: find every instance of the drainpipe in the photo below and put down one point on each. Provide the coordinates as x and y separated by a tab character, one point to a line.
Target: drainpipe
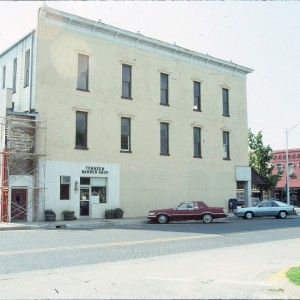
31	69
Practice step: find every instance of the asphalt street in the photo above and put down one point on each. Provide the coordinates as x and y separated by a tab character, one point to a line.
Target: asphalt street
236	259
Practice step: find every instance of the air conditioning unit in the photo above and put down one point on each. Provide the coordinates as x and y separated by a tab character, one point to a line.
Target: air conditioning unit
65	179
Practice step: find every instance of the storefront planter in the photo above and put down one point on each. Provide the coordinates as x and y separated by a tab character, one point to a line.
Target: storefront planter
50	215
109	214
68	215
118	213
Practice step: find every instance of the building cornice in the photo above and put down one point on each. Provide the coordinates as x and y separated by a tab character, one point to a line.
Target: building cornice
98	29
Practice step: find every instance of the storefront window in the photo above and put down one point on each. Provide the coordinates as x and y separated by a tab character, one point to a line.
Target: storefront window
99	192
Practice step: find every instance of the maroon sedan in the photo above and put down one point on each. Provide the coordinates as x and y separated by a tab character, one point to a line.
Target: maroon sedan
193	210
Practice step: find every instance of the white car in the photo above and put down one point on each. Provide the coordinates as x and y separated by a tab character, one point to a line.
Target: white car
266	208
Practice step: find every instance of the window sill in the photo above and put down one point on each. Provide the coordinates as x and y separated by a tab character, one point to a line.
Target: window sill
125	151
198	110
126	98
163	104
197	157
164	154
81	148
226	159
80	90
228	116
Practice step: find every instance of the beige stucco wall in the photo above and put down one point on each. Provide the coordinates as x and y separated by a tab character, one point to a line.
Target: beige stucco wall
147	179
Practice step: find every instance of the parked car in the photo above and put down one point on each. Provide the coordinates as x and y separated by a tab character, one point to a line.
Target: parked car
266	208
193	210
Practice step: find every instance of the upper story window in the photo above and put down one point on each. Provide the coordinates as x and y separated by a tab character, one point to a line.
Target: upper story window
225	97
126	81
164	89
26	69
226	146
197	96
125	134
291	168
164	139
81	130
3	76
15	66
279	168
83	73
197	142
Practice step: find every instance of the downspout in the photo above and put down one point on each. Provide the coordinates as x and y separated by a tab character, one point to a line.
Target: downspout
31	69
5	189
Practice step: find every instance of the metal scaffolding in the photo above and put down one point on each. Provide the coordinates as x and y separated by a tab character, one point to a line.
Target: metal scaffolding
23	162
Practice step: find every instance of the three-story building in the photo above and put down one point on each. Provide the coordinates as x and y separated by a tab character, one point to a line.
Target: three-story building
120	120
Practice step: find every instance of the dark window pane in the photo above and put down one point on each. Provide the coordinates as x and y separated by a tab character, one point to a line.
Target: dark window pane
81	129
126	81
164	138
197	99
197	142
164	89
125	134
225	102
85	180
64	192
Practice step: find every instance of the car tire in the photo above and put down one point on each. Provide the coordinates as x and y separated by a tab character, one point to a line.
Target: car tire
282	214
248	215
207	218
162	219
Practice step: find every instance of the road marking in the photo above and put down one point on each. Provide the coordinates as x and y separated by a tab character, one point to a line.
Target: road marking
117	244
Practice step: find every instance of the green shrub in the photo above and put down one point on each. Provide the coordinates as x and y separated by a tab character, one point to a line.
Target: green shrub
293	274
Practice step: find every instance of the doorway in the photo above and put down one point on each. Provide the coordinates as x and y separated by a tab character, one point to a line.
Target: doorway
19	205
84	201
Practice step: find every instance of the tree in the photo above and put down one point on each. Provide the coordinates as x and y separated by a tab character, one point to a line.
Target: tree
260	157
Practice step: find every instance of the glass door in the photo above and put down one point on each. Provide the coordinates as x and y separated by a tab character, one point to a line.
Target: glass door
84	201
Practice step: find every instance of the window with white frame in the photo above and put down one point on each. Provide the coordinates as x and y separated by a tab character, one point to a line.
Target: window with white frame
15	66
164	139
126	81
226	146
125	134
3	76
197	142
225	98
26	69
279	168
81	130
83	73
197	96
164	89
65	187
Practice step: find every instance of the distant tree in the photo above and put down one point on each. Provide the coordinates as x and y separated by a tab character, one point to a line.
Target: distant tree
260	157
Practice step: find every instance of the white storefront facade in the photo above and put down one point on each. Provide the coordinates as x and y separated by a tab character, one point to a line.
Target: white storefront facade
86	188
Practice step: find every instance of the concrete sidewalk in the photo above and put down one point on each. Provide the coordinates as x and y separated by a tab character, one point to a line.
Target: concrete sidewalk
84	223
76	224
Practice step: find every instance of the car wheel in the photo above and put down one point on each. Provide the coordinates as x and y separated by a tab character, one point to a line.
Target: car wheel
207	218
282	214
248	215
162	219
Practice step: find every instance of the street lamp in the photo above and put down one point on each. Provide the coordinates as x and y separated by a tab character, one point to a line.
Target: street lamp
287	163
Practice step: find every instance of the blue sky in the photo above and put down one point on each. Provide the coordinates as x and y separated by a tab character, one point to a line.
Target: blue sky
264	36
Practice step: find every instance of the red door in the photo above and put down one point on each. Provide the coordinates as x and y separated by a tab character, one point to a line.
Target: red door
18	205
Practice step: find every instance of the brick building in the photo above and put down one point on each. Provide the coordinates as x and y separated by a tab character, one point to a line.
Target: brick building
279	162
